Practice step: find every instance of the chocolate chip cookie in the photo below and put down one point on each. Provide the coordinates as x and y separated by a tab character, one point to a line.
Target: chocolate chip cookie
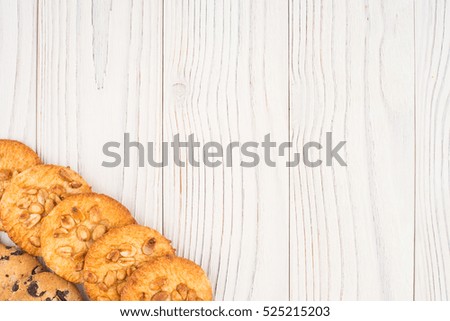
15	157
44	287
168	278
116	255
71	228
30	196
14	265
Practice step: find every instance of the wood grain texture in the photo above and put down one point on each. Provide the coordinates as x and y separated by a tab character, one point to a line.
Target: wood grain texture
99	78
432	260
75	75
225	80
18	72
352	74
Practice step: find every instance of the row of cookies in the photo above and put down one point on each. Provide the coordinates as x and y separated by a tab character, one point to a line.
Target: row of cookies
51	211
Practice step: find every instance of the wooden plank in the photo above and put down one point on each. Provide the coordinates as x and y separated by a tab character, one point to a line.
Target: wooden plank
99	78
225	80
18	72
432	259
352	74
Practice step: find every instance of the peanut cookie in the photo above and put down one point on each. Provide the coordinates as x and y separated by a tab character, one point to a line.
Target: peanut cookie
168	278
113	257
15	157
73	225
44	287
30	196
15	264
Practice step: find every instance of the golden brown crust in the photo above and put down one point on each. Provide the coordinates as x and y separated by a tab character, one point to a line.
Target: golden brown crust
31	196
113	257
45	287
15	264
68	231
15	157
168	278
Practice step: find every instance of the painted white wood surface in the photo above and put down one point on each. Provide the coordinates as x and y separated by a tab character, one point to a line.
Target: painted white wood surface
225	80
352	74
432	262
18	72
99	77
77	74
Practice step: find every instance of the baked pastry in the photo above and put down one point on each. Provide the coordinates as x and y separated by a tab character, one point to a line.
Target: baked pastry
168	278
15	157
116	255
44	286
73	225
30	196
14	265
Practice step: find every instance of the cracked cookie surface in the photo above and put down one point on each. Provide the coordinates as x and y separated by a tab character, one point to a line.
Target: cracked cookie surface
168	278
45	286
15	264
116	255
71	228
32	195
15	157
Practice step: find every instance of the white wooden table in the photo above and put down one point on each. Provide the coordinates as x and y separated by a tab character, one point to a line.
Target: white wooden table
77	74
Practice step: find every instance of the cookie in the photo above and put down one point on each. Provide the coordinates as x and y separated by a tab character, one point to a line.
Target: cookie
44	287
113	257
168	278
30	196
73	225
15	157
15	264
